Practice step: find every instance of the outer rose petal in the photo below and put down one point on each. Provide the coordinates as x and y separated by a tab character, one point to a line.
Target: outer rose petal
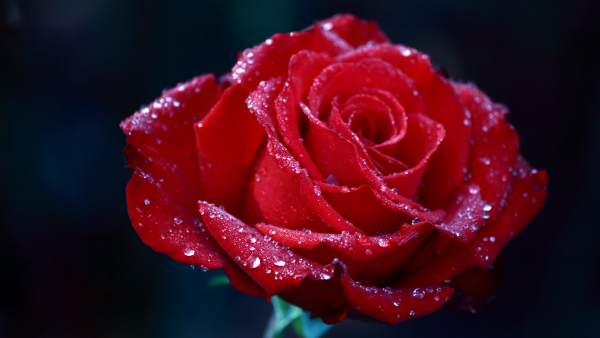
493	155
371	259
241	281
162	192
272	266
496	145
354	31
523	203
394	305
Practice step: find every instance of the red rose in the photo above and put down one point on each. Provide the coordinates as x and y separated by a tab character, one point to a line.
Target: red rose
334	169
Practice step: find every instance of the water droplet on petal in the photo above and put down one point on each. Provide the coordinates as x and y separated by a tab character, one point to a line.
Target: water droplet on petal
418	293
255	262
189	252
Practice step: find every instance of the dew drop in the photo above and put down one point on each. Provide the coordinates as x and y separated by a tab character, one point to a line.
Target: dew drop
146	202
327	26
418	293
255	262
473	189
189	252
279	263
383	242
324	276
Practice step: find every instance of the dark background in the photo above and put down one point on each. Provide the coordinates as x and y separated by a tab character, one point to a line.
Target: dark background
70	70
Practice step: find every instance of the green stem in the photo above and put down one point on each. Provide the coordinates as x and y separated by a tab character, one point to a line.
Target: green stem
286	315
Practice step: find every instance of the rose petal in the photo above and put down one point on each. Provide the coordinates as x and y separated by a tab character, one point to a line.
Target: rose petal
332	153
343	79
164	185
360	206
422	140
447	166
353	247
394	305
227	140
523	203
385	163
466	215
495	148
372	259
322	298
303	67
354	31
241	281
272	266
270	59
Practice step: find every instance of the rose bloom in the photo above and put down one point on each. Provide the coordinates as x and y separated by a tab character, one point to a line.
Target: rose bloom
334	169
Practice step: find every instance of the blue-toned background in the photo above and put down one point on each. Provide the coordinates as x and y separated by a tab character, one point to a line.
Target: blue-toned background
70	70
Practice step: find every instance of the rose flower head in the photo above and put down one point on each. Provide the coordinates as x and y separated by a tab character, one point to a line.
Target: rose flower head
334	169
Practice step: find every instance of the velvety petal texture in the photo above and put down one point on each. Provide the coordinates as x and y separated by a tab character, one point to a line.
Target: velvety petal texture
336	170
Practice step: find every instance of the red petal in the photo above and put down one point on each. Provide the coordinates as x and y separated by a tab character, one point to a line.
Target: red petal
354	31
344	79
495	148
447	166
523	203
350	247
372	259
272	266
162	192
228	140
466	215
385	163
394	305
270	59
241	281
331	152
322	298
360	206
303	67
422	139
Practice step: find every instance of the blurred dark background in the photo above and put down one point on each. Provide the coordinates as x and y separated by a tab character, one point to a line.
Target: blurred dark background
70	70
